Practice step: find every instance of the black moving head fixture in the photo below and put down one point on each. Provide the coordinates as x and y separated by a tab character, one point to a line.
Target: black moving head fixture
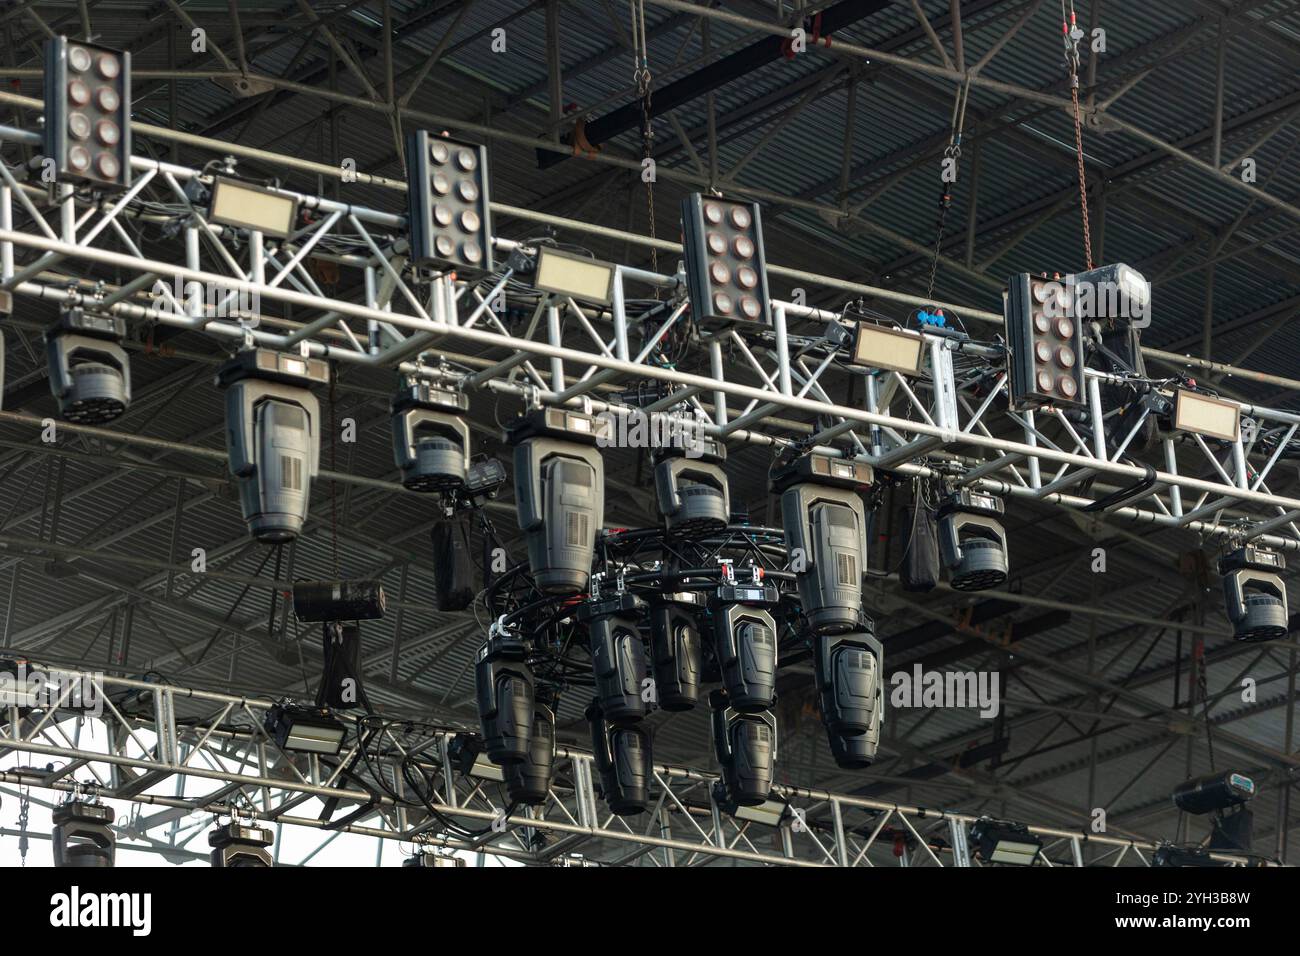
826	534
623	760
1214	792
273	427
745	643
354	600
83	835
505	693
726	270
617	655
240	845
675	649
559	494
90	374
448	210
1255	593
528	781
745	745
88	112
430	436
851	694
972	541
691	488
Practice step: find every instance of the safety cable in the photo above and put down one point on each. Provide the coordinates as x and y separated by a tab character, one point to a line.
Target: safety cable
644	84
1071	34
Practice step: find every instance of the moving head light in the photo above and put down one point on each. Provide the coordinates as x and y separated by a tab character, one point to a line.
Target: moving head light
504	690
623	760
972	541
745	745
617	655
559	494
90	374
529	780
826	533
675	649
240	845
273	437
851	693
1213	792
83	835
430	436
692	491
745	642
1255	593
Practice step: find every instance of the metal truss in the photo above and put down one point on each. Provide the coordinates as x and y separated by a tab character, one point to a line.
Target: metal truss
184	750
938	424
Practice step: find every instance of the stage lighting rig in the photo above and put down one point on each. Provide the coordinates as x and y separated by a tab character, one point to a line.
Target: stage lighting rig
90	374
623	760
431	441
745	745
1044	342
726	270
88	112
675	649
238	844
528	781
617	654
448	211
972	541
83	835
1225	795
1255	594
851	693
273	428
1001	841
691	489
559	494
506	695
304	729
826	534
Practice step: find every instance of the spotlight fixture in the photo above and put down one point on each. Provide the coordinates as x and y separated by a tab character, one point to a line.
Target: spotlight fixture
1168	854
675	650
90	374
726	271
1114	292
355	600
852	695
1214	792
504	690
430	436
242	205
528	781
240	845
273	437
745	642
1205	415
448	211
580	277
88	112
623	760
617	655
1255	594
304	729
83	835
559	494
428	859
1044	343
1000	841
745	745
826	535
972	541
692	488
878	346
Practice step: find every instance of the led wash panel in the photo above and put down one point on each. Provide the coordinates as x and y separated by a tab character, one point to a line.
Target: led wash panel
1203	415
245	206
587	280
879	347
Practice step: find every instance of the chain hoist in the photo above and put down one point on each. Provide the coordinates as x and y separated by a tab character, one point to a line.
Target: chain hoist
644	81
1071	34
